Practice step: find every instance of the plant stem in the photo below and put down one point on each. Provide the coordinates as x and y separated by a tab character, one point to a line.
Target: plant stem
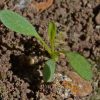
44	44
52	46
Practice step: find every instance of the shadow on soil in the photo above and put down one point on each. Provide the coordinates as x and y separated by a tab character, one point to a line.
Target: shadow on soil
26	72
96	10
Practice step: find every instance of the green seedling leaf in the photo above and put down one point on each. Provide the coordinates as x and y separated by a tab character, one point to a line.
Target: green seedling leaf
80	65
52	34
17	23
49	70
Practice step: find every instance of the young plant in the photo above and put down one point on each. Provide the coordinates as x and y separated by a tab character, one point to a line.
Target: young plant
20	25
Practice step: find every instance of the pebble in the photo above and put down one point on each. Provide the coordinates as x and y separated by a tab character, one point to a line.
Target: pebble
22	3
98	27
97	1
84	2
97	19
59	89
69	99
62	56
71	83
84	87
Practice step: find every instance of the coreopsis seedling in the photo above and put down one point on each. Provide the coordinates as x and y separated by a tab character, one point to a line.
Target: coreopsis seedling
20	25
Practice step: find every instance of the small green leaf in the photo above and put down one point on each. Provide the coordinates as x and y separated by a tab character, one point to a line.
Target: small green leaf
80	65
49	70
17	23
52	34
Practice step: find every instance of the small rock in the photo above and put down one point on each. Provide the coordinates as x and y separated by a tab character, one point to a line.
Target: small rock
97	1
98	27
26	60
30	60
82	86
58	88
22	3
42	96
62	56
84	2
3	71
97	19
70	99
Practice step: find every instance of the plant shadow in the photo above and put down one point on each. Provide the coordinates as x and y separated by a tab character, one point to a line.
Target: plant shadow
96	11
29	73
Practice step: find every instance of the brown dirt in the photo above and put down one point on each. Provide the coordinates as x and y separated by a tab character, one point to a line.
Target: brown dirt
74	18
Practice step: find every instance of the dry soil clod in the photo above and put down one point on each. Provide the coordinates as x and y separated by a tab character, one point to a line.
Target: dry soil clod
97	19
80	87
42	5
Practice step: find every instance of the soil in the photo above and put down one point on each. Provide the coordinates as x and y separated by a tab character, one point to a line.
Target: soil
20	78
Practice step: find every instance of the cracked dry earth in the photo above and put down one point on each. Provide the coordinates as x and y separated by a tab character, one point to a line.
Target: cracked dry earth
79	21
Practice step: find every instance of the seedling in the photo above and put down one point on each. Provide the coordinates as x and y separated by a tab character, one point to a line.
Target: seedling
20	25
